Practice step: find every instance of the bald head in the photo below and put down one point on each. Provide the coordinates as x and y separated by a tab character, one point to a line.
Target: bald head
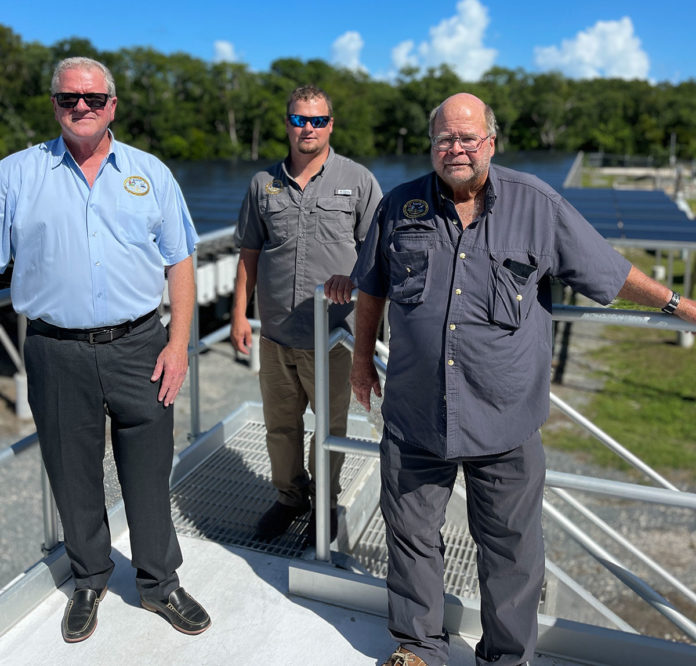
463	132
463	106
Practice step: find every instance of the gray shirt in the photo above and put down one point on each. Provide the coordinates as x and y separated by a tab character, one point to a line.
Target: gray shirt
470	310
305	237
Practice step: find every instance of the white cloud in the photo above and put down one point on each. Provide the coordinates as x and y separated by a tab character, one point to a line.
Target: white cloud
224	51
345	51
607	49
402	55
456	41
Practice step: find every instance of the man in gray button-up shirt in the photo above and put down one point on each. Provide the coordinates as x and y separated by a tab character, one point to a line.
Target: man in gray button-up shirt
300	225
465	255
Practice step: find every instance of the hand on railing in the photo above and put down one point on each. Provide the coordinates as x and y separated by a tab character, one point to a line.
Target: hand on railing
338	289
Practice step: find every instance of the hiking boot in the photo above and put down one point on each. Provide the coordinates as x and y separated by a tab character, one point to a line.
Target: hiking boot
404	657
278	518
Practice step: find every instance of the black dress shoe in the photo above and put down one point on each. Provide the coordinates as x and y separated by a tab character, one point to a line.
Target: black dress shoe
278	518
182	611
80	618
312	527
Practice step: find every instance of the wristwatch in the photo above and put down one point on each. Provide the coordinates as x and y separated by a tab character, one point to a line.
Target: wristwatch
673	303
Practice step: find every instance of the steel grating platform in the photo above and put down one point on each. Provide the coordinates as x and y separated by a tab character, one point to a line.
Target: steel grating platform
224	497
461	577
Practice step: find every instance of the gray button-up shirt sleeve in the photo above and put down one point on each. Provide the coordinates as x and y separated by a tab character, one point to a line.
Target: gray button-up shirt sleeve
470	311
304	237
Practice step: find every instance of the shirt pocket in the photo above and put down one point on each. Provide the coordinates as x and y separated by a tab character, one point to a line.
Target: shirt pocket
511	291
139	220
408	277
276	213
334	219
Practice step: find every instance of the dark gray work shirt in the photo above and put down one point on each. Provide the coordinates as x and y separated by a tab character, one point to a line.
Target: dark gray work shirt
304	237
470	310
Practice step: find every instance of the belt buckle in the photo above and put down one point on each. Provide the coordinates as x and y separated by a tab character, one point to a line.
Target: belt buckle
93	336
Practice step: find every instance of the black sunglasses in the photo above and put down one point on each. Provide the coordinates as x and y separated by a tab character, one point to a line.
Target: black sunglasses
315	121
66	100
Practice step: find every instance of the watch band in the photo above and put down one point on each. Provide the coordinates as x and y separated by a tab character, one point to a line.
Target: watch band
673	303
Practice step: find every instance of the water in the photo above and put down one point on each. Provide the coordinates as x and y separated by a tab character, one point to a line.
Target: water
214	190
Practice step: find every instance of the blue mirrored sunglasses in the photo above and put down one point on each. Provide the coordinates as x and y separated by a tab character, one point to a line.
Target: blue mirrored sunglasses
315	121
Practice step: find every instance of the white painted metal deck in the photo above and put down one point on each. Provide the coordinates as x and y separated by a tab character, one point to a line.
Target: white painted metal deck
254	621
267	607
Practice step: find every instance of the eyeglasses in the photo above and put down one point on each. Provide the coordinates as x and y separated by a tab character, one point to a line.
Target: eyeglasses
470	144
315	121
68	100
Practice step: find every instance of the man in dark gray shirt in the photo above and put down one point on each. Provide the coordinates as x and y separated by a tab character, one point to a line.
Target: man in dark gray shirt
465	255
300	225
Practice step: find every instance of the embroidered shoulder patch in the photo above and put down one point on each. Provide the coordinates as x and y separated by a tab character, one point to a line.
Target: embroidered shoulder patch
274	187
136	185
416	208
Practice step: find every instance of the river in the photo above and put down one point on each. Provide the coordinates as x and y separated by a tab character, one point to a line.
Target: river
214	190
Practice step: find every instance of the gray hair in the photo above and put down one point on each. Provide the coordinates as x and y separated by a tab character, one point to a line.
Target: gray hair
82	63
491	124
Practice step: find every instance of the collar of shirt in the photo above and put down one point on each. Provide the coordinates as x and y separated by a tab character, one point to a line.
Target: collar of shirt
60	152
327	161
442	196
444	192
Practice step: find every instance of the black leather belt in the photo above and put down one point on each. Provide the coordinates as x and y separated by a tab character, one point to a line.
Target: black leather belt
94	336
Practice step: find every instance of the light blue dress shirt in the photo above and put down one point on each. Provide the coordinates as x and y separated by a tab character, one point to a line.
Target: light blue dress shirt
89	257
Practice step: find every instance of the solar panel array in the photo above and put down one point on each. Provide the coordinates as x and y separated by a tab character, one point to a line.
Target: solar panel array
641	215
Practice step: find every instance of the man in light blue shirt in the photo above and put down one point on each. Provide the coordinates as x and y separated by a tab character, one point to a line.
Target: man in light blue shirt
91	225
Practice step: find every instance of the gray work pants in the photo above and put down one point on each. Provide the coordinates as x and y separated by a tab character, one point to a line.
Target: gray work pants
72	385
504	496
287	386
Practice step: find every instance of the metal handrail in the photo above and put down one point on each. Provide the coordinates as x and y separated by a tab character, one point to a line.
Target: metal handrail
627	577
625	543
669	494
324	341
615	316
610	442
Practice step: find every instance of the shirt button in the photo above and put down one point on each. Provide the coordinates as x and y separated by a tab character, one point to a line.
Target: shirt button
452	327
408	269
450	362
519	297
457	291
455	221
97	263
462	255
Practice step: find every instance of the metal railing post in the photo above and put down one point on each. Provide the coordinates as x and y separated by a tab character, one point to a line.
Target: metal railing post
194	366
321	430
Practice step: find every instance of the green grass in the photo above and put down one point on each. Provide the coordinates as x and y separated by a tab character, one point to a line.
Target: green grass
648	399
647	403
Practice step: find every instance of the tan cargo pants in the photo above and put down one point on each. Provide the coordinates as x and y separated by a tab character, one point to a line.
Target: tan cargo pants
287	386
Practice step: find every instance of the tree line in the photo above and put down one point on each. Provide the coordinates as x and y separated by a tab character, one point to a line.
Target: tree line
180	107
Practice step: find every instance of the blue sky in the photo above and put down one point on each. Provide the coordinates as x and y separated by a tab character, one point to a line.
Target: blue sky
638	39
